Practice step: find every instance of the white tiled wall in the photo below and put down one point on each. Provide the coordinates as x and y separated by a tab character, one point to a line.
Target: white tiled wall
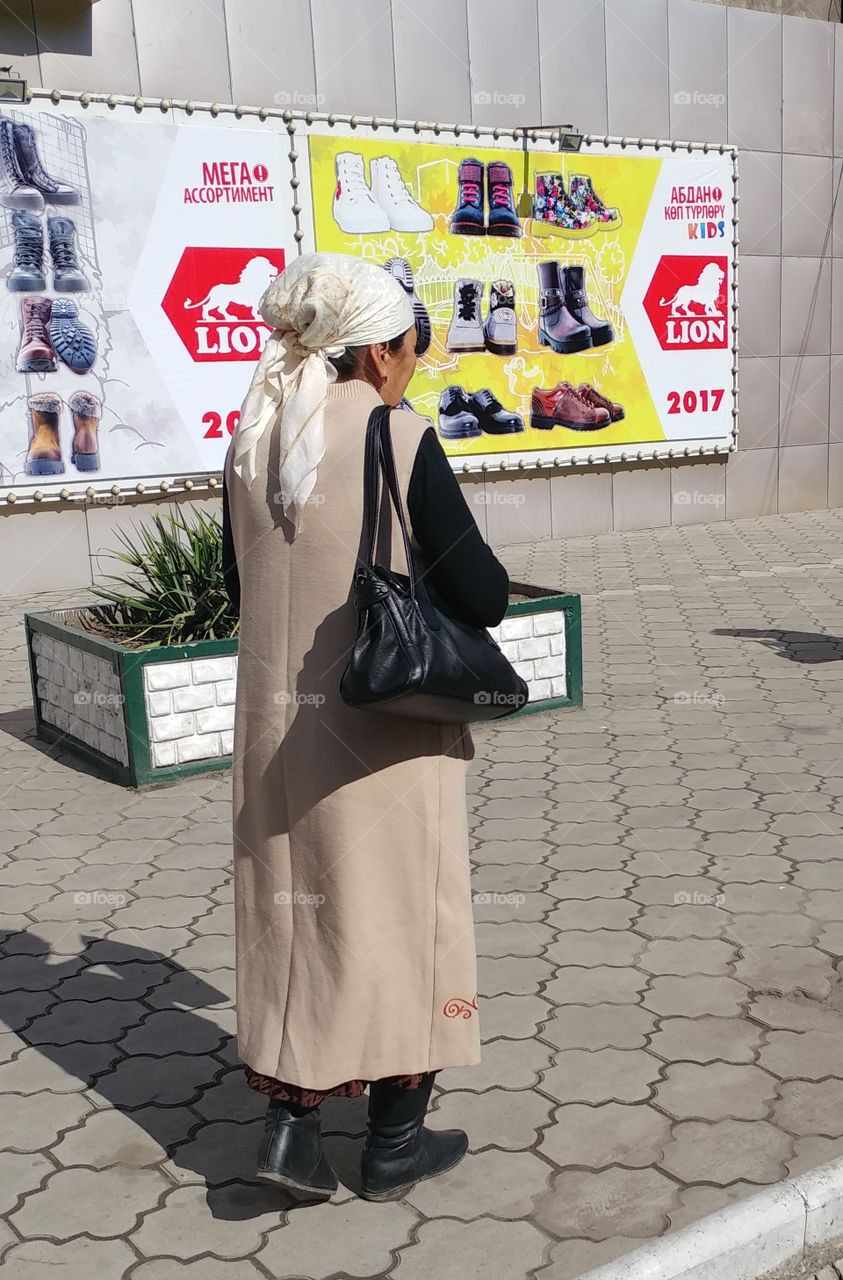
756	79
535	645
189	709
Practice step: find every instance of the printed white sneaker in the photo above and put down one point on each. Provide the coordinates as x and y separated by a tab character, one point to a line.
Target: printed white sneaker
394	197
355	209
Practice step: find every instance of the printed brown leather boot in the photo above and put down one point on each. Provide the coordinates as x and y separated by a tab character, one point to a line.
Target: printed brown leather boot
43	457
87	411
558	329
616	411
562	406
35	353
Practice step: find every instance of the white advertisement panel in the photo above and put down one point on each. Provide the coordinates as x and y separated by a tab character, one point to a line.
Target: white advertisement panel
134	248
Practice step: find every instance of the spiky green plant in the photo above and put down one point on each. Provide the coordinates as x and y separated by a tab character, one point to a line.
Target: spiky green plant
175	591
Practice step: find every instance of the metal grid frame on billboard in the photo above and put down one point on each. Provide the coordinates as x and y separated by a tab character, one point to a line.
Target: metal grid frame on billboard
298	126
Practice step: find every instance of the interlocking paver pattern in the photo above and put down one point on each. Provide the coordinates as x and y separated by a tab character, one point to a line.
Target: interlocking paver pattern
659	901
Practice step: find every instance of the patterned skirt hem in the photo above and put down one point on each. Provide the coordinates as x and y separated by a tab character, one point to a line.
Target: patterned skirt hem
279	1091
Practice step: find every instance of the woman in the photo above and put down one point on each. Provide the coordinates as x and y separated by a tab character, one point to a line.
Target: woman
355	945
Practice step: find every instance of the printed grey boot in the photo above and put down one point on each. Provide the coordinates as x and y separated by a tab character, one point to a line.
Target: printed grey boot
501	329
67	277
466	330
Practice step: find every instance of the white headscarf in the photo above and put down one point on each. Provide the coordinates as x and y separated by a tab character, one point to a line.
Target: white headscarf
321	304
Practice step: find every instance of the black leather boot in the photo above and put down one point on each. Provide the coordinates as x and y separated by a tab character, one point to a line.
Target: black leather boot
291	1153
399	1151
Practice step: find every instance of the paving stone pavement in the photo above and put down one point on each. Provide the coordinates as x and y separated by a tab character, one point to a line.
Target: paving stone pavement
659	921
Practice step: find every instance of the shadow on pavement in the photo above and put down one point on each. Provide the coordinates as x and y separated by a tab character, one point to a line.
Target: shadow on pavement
20	724
795	646
123	1020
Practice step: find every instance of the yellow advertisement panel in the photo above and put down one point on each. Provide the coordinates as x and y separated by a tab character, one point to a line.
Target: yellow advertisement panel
564	301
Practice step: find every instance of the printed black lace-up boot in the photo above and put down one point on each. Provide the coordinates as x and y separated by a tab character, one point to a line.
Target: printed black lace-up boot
27	275
53	191
558	329
67	277
21	195
576	300
399	1151
466	329
503	220
468	218
291	1153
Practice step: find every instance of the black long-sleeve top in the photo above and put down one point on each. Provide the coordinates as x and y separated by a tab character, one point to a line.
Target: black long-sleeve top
460	566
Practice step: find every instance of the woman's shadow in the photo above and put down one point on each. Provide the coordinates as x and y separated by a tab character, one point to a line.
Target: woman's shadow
124	1021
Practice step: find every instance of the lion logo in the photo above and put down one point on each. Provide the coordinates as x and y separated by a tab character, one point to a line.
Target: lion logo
705	293
255	278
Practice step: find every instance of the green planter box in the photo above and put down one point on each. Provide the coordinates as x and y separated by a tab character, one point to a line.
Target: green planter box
148	716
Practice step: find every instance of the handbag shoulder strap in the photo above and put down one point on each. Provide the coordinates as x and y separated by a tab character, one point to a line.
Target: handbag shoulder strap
372	484
417	583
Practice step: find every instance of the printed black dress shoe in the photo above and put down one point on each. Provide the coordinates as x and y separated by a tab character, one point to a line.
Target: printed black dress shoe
493	418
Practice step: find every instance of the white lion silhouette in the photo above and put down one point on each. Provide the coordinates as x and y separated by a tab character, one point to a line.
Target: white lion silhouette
705	293
255	277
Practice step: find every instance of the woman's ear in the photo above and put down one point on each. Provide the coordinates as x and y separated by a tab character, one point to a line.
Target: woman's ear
378	362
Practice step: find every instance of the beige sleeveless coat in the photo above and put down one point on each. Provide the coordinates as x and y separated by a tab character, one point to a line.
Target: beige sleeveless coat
355	941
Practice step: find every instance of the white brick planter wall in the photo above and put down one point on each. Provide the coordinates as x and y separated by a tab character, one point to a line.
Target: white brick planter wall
190	709
536	646
80	695
145	715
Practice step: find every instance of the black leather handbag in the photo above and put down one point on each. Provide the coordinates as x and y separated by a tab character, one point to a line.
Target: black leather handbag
411	656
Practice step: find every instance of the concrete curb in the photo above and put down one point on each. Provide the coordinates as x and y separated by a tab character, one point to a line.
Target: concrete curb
778	1228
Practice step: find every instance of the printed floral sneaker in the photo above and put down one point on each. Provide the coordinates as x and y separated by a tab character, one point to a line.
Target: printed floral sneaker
554	213
616	411
586	200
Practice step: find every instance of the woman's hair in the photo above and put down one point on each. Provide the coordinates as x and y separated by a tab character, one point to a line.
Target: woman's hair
351	359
